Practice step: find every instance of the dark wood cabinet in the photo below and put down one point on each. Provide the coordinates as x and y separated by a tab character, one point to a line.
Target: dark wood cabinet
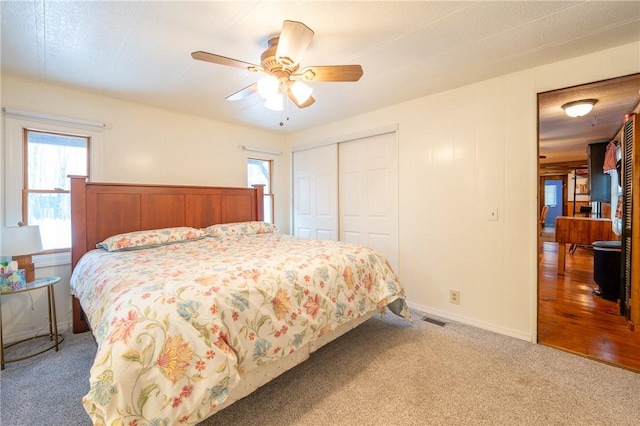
599	182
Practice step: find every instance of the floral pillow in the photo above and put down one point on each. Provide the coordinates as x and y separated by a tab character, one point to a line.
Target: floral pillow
240	228
137	240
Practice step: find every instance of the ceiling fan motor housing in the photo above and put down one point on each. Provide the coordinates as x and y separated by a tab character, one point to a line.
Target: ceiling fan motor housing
272	65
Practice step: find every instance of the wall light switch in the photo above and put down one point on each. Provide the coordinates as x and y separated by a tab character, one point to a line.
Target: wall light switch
493	214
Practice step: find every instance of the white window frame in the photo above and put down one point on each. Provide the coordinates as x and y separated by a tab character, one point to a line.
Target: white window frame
264	155
14	123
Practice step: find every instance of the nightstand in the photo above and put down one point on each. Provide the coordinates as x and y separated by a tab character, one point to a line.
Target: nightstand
53	335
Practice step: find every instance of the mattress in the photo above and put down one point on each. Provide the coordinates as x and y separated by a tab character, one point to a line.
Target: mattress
181	326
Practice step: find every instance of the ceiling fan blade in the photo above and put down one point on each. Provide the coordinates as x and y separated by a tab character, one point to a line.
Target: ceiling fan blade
331	73
223	60
305	104
243	93
294	39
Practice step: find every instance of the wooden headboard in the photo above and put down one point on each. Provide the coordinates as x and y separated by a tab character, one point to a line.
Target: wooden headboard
100	210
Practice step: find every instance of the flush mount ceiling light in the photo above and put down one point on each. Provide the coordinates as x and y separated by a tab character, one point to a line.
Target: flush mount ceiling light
579	108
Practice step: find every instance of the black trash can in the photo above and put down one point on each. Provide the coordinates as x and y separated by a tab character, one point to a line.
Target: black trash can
606	268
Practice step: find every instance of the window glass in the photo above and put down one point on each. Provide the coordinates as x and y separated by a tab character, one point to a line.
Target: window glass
259	173
550	196
50	158
268	208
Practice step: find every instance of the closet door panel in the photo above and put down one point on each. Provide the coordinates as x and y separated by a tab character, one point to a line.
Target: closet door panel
315	193
349	191
368	198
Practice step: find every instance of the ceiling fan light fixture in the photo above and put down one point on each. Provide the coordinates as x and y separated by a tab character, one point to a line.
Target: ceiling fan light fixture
579	108
281	62
268	87
275	102
301	91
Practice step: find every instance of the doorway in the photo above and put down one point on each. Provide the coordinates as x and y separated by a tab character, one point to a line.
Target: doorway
553	190
554	195
571	316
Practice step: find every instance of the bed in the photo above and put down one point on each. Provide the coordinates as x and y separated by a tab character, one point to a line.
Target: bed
194	301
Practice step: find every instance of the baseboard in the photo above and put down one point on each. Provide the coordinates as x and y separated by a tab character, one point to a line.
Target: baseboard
472	322
63	327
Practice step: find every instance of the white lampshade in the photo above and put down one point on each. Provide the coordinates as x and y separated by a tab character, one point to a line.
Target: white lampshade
579	108
21	241
268	86
275	103
301	91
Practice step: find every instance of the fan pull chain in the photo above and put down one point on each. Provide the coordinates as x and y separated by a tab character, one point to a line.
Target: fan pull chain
284	111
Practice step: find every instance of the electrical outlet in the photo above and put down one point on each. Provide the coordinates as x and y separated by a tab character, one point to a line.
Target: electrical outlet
454	297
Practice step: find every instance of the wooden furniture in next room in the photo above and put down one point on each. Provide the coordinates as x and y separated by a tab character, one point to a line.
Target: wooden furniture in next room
582	231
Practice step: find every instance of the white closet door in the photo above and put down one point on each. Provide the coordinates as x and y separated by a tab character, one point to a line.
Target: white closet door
368	201
315	193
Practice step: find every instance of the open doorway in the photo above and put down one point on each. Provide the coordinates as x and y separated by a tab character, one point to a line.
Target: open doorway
553	194
553	199
571	315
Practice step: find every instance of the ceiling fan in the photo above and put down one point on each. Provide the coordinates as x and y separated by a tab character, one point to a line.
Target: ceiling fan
281	64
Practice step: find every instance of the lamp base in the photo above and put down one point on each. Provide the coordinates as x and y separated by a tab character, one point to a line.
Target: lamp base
26	263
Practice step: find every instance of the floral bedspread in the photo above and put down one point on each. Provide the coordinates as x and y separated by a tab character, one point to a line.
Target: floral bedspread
176	325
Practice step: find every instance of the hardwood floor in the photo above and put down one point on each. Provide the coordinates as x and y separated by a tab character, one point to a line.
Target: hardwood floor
572	318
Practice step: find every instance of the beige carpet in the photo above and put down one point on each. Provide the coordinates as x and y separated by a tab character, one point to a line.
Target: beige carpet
391	372
386	372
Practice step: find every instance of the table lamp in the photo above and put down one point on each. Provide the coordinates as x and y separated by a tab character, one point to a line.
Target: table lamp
20	242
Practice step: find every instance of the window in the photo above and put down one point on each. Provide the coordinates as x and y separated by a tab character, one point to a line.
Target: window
259	173
550	195
46	201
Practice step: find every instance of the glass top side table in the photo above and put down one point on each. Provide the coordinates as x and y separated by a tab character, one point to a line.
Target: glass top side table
53	335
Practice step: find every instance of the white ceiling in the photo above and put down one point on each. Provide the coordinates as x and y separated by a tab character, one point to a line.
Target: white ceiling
140	50
563	139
